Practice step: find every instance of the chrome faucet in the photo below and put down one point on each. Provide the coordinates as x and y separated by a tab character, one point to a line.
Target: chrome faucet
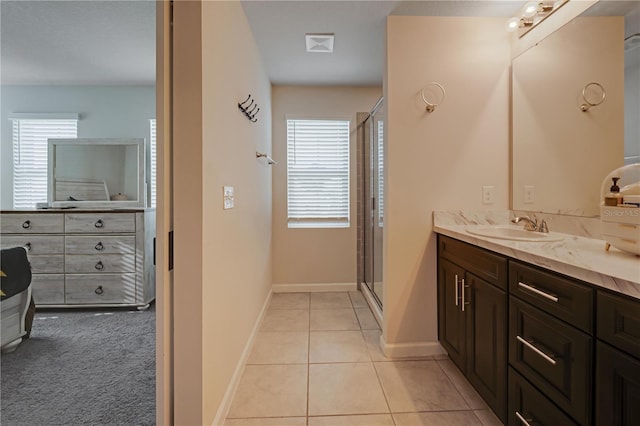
532	224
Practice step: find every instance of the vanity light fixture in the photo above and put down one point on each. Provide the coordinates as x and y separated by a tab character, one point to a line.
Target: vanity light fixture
532	14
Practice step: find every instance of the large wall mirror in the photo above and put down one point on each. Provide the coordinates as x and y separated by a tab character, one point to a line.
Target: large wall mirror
561	154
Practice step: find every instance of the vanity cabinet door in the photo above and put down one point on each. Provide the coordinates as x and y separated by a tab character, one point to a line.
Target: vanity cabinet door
486	330
617	387
451	321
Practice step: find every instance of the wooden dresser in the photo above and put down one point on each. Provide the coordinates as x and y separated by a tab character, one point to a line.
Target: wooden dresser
82	258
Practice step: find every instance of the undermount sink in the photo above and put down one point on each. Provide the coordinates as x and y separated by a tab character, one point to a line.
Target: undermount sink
508	232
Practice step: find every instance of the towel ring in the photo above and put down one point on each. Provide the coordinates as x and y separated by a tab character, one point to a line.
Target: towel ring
430	105
585	107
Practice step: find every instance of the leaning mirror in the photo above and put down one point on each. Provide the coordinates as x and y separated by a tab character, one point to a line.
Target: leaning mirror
571	93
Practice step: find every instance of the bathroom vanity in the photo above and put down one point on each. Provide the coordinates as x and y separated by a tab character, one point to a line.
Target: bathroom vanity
547	332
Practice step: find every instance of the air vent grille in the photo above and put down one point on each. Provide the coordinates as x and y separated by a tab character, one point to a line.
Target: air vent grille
319	43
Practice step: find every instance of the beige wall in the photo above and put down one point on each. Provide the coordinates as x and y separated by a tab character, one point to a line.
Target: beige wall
310	256
438	161
223	257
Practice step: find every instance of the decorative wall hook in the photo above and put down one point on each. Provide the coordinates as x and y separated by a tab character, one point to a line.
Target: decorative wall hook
250	110
585	106
431	106
269	159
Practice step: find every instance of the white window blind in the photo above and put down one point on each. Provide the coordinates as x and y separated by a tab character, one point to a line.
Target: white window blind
30	147
380	172
318	173
152	143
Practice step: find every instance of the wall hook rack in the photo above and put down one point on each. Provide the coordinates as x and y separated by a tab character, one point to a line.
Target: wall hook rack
250	110
431	106
269	159
585	106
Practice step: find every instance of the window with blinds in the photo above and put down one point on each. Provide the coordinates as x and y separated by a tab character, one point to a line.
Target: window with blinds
152	150
318	173
30	145
380	172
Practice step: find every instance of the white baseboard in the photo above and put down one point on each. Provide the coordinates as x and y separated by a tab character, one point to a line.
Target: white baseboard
410	350
313	287
373	305
225	405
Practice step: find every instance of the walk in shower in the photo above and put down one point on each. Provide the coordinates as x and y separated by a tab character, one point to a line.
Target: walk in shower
371	200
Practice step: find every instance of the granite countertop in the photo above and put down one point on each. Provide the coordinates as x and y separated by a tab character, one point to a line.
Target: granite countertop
576	256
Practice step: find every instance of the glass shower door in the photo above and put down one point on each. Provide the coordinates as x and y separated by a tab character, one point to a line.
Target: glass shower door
377	179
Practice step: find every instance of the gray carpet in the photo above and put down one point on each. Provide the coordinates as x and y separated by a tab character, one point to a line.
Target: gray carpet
88	367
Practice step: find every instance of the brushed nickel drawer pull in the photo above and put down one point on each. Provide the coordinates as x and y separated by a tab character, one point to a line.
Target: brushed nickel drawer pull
99	224
536	350
462	287
538	292
99	266
99	246
99	290
26	224
457	295
523	420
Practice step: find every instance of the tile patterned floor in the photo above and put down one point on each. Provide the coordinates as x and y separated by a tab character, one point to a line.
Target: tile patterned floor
316	361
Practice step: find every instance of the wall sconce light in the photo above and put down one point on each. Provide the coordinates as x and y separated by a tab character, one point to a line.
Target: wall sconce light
532	14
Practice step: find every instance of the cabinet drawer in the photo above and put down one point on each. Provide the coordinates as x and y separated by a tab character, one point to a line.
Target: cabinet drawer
484	264
619	322
48	289
47	264
554	356
97	244
99	263
102	223
37	244
31	223
96	289
562	297
527	402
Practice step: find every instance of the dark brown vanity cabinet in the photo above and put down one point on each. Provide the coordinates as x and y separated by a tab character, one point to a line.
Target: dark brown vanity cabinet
617	393
472	310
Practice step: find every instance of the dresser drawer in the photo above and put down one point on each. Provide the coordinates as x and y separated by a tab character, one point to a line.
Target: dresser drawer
619	322
103	223
526	402
554	356
97	289
99	263
48	289
100	244
37	244
482	263
31	223
47	264
561	297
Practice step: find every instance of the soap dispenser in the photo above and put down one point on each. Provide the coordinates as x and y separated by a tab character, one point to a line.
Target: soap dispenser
613	198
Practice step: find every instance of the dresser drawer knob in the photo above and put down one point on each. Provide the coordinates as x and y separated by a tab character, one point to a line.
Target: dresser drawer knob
99	290
99	246
538	292
549	358
99	266
99	224
525	422
26	224
28	246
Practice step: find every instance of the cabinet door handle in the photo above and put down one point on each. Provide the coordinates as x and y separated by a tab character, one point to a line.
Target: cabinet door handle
28	246
462	287
99	266
26	224
529	345
99	246
99	224
99	290
538	292
524	421
457	295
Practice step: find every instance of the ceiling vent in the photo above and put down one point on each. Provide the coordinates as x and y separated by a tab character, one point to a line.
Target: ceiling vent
319	43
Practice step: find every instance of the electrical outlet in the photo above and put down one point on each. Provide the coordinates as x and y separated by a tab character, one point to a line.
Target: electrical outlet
227	197
529	194
487	195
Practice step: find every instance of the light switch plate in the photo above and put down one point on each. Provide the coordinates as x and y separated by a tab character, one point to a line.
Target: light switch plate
529	194
488	195
227	197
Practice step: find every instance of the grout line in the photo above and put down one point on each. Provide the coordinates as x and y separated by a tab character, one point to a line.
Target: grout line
454	385
384	393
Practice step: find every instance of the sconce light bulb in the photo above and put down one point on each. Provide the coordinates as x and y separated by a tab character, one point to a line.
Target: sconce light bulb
530	9
513	24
